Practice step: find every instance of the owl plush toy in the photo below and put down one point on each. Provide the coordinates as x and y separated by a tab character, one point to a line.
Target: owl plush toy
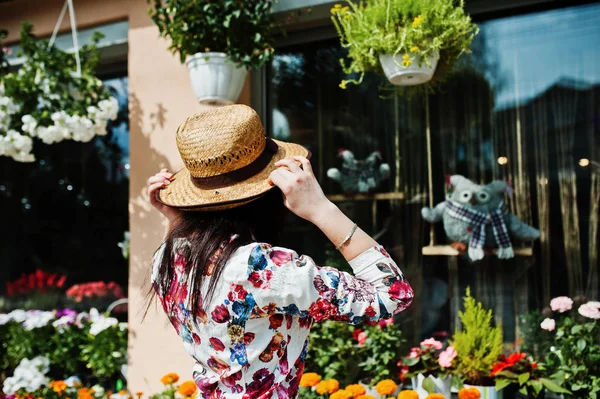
476	215
359	176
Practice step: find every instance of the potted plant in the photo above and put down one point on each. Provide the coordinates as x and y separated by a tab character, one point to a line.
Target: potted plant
405	39
219	41
478	346
574	358
52	98
519	371
429	367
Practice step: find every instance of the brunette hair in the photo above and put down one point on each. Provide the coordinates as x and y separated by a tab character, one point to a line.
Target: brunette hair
209	244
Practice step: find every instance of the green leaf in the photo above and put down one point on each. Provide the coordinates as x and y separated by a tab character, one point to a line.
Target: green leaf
581	344
410	361
523	378
428	385
553	386
502	383
576	329
537	386
523	390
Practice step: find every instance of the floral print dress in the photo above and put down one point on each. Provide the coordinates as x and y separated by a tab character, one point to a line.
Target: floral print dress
251	340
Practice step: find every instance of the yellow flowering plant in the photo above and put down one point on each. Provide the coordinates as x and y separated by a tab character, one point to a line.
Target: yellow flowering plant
414	29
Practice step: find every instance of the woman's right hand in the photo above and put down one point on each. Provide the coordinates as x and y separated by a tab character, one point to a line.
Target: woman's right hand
155	184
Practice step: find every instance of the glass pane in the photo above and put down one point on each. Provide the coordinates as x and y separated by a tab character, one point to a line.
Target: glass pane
67	211
522	107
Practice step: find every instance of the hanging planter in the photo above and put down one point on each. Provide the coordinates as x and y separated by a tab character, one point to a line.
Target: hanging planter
485	391
412	42
419	70
219	41
215	79
54	96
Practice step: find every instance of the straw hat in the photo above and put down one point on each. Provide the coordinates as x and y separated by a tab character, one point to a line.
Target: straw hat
227	160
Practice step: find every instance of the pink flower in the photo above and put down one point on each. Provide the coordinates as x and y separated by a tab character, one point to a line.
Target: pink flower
590	310
386	322
561	304
414	353
446	357
433	343
362	337
548	324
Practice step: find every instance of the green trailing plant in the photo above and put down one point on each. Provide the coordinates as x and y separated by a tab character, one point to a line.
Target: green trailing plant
241	29
3	53
379	352
478	345
414	29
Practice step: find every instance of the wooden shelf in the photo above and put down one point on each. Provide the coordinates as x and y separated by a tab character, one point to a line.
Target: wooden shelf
366	197
447	250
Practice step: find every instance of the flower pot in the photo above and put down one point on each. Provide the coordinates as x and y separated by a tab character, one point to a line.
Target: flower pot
486	392
215	79
418	72
442	385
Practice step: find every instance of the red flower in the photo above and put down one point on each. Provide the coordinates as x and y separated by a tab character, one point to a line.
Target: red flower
220	314
276	321
356	333
533	365
514	358
280	257
237	292
498	367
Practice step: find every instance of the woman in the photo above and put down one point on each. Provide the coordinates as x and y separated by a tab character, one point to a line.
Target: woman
243	307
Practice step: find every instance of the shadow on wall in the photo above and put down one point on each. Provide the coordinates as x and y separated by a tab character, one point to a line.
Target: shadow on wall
144	219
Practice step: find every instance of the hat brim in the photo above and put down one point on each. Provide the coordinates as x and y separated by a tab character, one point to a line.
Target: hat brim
182	193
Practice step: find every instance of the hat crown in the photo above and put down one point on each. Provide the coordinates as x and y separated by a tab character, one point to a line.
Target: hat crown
220	140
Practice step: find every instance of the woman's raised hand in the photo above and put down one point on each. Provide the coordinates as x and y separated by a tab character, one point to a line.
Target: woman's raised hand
155	183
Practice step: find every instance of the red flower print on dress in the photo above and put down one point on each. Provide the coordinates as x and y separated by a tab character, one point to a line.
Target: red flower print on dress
288	321
400	290
267	355
370	312
261	279
322	310
237	292
280	257
221	314
382	251
248	338
217	344
232	382
305	322
276	321
218	365
261	385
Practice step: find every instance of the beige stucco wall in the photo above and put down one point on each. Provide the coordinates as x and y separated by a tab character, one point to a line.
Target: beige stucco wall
160	99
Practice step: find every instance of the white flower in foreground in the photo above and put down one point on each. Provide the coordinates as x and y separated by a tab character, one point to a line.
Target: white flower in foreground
99	391
102	324
109	108
548	324
38	319
63	322
29	124
18	315
29	375
4	318
73	382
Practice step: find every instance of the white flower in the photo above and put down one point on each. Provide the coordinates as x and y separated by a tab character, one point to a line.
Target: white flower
109	108
29	375
119	395
29	124
123	326
4	318
102	324
63	322
59	118
98	390
73	382
18	315
548	324
38	319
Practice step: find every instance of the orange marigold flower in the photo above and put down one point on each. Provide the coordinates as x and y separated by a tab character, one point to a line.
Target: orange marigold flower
170	378
332	385
386	387
139	394
341	394
469	393
356	389
187	388
408	394
435	396
321	388
58	386
85	393
309	380
366	397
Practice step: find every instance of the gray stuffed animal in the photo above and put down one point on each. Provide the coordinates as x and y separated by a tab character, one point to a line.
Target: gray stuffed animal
476	215
359	176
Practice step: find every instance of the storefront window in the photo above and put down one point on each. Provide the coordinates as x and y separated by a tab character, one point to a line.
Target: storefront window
523	107
67	211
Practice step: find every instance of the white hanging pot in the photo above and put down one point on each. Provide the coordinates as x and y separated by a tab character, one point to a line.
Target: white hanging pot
215	79
486	392
442	385
411	75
